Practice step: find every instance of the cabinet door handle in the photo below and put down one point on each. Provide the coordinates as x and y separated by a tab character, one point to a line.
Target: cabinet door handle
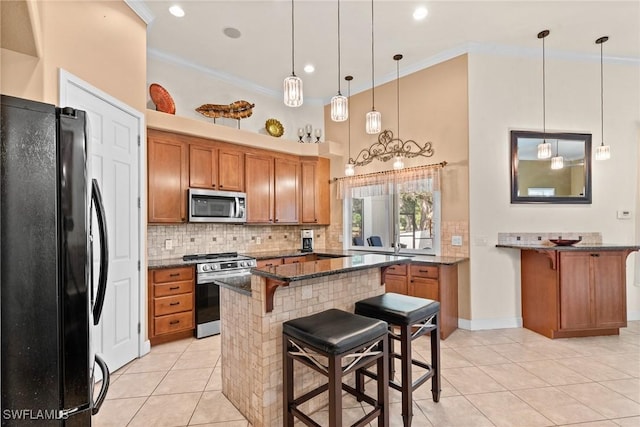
423	271
174	322
175	303
220	186
268	265
174	274
173	288
594	254
276	219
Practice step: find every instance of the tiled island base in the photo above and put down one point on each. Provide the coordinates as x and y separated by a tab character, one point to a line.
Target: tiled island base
252	338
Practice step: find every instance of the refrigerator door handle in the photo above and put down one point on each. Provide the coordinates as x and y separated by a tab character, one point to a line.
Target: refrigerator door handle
106	376
96	197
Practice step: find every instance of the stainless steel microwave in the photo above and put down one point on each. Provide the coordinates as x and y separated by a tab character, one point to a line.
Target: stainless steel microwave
217	206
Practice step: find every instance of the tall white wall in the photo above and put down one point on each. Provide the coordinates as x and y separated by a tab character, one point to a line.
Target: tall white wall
190	87
505	93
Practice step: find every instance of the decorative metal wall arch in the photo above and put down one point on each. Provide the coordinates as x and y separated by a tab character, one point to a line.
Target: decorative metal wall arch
389	147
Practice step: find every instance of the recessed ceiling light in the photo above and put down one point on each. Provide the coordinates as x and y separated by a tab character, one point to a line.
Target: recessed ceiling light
176	11
420	13
309	68
232	33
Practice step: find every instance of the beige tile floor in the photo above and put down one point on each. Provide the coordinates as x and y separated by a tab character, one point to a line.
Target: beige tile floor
506	377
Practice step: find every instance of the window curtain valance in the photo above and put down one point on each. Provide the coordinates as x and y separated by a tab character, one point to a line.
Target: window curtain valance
415	179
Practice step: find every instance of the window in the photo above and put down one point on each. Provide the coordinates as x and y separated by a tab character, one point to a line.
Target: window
403	211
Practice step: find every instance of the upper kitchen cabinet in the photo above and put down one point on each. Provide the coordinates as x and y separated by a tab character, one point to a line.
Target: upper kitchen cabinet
272	189
259	179
315	207
286	180
168	177
215	168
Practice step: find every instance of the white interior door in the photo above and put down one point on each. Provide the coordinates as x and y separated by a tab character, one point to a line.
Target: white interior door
114	136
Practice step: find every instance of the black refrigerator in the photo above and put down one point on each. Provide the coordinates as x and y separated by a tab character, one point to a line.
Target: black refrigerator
48	300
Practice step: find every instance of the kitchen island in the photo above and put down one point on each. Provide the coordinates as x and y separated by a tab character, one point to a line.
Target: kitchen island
573	291
252	324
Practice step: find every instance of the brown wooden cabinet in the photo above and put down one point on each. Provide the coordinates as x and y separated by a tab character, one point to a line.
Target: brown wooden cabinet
259	180
215	168
272	189
167	178
286	191
171	304
315	206
574	293
435	282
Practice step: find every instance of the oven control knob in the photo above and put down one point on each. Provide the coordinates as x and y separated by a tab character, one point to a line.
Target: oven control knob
205	267
215	267
243	264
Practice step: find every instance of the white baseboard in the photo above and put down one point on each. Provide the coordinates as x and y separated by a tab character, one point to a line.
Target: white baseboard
145	347
482	324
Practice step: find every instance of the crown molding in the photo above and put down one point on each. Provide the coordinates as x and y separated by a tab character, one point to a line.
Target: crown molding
141	10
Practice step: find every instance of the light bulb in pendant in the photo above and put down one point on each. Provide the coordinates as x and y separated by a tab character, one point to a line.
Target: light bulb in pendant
557	162
398	163
349	169
544	150
339	108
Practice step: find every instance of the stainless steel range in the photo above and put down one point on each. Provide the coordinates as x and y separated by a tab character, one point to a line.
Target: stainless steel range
212	267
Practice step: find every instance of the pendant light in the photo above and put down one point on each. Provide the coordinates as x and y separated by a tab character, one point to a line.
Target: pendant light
603	152
339	103
544	149
350	168
398	163
373	118
293	83
557	162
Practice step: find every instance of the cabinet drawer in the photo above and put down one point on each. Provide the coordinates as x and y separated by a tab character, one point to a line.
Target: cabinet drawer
166	289
295	259
173	304
397	269
424	288
173	322
269	262
428	271
172	274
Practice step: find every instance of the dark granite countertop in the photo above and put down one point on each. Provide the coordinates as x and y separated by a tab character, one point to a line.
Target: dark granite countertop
327	267
576	247
240	284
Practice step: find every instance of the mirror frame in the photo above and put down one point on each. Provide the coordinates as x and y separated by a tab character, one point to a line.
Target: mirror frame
585	199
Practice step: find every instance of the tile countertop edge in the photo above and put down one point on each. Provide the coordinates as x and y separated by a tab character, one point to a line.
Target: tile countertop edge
577	247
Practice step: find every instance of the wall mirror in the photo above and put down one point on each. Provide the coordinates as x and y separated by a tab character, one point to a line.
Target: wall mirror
533	180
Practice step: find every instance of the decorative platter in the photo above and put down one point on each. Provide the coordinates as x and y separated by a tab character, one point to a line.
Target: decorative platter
274	127
564	242
162	99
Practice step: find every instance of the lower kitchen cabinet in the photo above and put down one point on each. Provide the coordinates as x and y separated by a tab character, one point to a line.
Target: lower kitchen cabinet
435	282
574	293
171	304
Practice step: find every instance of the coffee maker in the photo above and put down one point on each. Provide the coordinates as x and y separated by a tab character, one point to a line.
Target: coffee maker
307	240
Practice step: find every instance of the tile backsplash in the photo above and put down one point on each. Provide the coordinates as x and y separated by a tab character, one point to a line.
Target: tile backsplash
588	237
173	241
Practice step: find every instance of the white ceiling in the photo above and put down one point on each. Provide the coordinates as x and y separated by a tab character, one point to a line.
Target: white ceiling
261	57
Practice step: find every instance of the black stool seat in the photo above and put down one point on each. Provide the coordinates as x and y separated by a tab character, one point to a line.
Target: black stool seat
414	317
334	331
349	343
397	309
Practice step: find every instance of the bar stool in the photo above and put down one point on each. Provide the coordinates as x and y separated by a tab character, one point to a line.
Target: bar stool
407	313
350	343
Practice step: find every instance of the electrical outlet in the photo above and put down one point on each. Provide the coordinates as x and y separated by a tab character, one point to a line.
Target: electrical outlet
168	244
623	214
258	240
456	240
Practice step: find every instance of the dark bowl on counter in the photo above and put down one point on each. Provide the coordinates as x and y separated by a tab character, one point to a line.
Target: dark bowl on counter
565	242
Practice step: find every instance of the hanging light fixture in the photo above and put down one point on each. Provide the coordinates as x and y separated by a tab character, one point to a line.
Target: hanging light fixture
387	147
603	152
339	103
398	163
557	162
292	84
544	148
373	118
350	168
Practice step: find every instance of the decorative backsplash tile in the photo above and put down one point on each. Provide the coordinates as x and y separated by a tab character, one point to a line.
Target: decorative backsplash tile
209	238
542	238
454	228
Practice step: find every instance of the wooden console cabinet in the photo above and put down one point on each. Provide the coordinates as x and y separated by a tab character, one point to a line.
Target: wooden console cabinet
171	304
432	281
574	293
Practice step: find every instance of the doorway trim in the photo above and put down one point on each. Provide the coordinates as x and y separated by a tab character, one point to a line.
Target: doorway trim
67	79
